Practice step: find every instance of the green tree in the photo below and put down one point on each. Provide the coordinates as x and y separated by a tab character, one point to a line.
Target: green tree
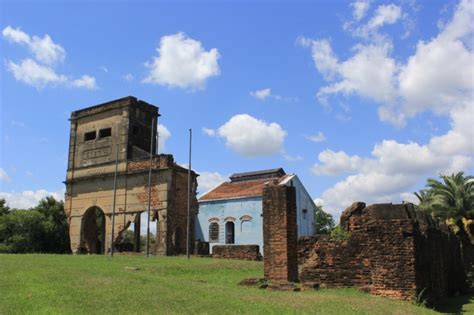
450	198
4	209
323	221
43	228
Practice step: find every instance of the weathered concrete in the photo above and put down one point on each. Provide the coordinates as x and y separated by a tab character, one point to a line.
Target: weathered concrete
125	123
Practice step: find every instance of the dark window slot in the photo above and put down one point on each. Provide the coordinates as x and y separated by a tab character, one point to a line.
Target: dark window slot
103	133
88	136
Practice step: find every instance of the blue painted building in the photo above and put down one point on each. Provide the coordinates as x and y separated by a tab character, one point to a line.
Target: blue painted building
231	213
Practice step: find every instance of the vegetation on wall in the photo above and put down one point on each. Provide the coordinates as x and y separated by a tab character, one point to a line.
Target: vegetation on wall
41	229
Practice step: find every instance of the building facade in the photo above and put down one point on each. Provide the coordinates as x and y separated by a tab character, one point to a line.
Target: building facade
231	213
113	140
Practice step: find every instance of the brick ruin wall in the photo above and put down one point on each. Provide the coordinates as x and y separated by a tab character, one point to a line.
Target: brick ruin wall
391	251
243	252
279	233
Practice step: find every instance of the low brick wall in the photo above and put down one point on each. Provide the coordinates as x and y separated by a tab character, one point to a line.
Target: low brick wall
243	252
391	251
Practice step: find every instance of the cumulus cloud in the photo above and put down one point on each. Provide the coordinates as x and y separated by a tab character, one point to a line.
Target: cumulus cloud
85	81
182	62
251	137
319	137
44	49
4	176
39	72
163	135
28	198
434	78
385	14
360	8
209	180
34	74
396	168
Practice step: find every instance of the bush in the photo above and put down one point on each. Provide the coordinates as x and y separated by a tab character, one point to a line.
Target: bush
339	233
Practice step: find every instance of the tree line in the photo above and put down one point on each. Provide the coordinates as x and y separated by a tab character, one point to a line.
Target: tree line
41	229
44	228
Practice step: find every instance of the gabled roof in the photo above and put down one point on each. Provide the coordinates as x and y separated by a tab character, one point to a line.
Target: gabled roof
247	185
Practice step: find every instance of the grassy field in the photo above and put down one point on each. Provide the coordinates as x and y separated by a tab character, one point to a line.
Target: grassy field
55	284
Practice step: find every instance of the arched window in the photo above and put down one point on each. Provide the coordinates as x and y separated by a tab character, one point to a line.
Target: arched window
214	232
229	233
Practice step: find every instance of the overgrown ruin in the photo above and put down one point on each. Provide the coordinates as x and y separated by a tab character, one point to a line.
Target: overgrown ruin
122	130
389	250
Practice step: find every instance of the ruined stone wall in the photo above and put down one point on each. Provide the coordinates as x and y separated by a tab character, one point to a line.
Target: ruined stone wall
391	251
280	233
178	213
242	252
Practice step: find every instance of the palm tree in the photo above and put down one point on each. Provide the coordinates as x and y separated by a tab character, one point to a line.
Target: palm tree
451	198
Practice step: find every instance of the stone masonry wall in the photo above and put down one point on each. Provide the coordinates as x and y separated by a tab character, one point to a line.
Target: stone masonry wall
243	252
280	233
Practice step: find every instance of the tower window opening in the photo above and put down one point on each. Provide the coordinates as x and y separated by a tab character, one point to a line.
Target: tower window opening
103	133
88	136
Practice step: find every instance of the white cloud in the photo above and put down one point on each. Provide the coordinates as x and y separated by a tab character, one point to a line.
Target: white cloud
44	49
266	93
4	176
209	180
252	137
261	94
208	131
28	198
360	8
182	62
40	72
163	135
437	77
334	163
128	77
34	74
85	81
385	14
319	137
396	168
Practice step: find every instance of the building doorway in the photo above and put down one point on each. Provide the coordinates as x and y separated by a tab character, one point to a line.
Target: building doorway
93	231
229	233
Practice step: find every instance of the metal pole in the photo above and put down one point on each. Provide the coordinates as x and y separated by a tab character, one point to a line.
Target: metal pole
189	192
149	190
113	207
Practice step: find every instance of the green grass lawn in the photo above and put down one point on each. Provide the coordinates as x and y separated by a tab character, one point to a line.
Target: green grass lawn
63	284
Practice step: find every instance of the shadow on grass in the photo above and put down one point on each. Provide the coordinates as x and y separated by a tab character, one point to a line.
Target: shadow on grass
454	305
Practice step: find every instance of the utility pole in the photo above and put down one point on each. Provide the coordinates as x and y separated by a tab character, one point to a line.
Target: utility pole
149	189
189	193
113	207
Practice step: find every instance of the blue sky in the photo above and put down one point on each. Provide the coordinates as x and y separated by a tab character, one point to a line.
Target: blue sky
363	100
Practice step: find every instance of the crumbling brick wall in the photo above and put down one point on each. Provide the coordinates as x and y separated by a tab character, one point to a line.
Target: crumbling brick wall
391	251
242	252
280	233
